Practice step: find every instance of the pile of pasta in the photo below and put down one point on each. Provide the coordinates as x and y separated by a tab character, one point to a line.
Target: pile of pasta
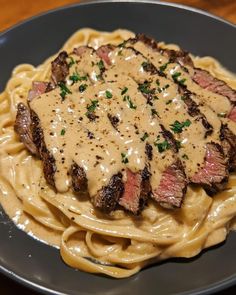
118	244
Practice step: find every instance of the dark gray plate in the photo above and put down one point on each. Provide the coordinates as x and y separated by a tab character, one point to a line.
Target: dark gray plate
39	266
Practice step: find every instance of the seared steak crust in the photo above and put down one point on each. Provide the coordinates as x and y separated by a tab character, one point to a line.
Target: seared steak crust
107	198
49	166
23	128
79	179
60	68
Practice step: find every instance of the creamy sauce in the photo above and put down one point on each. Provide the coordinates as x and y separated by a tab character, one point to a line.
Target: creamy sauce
14	208
102	150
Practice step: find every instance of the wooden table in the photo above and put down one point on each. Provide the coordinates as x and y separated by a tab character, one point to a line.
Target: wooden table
13	11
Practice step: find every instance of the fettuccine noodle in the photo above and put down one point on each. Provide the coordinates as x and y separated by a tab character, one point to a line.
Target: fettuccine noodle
119	244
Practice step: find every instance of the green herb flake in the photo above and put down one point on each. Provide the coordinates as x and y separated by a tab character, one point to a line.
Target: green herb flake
163	67
169	101
82	87
221	115
108	94
91	108
131	104
75	77
175	77
124	90
178	143
145	88
185	157
63	131
101	66
177	127
162	146
124	158
145	136
72	61
158	82
64	90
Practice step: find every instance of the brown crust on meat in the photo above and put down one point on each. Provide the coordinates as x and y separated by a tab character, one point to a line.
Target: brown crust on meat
107	198
60	68
78	179
23	128
49	166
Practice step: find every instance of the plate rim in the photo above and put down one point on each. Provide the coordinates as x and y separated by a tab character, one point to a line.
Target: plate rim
210	289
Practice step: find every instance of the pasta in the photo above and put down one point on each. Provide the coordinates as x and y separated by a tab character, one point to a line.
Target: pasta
118	245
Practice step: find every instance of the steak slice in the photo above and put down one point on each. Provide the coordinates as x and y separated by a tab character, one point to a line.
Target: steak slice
136	190
49	166
60	68
79	179
107	198
38	88
214	174
232	114
207	81
229	145
173	186
23	128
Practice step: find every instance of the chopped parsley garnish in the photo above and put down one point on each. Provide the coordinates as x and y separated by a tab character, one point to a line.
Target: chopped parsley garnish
124	90
183	97
154	112
75	77
82	87
101	65
63	131
158	82
162	146
131	104
64	90
178	143
145	136
163	67
124	157
175	77
221	115
177	126
145	88
108	94
169	101
146	65
91	108
72	61
185	157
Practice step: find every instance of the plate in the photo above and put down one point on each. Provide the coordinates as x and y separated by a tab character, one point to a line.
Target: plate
39	266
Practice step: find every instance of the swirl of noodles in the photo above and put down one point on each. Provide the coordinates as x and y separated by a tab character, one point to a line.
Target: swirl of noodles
119	244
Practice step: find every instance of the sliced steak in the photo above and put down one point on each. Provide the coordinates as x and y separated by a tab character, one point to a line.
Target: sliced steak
49	166
229	145
172	186
60	68
103	53
193	109
232	114
136	190
214	174
79	179
38	88
207	81
108	197
23	127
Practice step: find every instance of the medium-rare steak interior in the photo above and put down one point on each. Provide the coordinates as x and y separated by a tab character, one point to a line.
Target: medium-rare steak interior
126	123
